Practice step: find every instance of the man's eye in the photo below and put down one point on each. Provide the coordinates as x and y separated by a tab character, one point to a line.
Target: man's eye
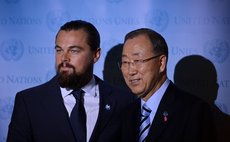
58	50
136	61
124	62
74	51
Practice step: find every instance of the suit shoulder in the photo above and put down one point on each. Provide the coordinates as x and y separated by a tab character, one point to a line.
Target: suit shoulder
188	99
119	92
186	95
39	88
115	92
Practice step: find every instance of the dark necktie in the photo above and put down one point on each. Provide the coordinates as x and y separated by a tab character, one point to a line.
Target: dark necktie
78	117
145	123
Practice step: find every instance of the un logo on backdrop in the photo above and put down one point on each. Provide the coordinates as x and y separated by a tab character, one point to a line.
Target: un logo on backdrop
12	49
6	107
55	19
159	19
217	50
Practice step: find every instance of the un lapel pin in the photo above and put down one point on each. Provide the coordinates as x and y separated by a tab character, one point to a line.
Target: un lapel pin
165	116
107	107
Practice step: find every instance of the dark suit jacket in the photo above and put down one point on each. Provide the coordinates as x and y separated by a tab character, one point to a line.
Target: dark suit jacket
39	115
188	120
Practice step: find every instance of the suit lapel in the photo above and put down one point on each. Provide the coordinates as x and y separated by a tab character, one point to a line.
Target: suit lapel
163	114
136	125
53	105
106	109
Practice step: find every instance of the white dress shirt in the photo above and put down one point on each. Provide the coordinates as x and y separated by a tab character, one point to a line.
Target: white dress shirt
91	104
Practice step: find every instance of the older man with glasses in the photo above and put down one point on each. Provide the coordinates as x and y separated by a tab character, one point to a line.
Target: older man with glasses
162	112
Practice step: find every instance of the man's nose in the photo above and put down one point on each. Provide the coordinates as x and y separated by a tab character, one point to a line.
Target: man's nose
132	69
65	57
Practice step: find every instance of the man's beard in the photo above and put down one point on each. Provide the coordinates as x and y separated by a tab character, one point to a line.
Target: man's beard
72	80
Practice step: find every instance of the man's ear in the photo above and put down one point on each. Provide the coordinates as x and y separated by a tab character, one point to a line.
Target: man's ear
163	63
97	55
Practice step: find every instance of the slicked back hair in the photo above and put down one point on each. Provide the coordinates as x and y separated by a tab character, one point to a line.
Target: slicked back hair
93	38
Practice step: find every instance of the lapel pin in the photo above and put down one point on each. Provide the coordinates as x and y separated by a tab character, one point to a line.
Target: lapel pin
165	114
107	107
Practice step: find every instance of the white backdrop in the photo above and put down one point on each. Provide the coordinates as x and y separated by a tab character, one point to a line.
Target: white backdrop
28	29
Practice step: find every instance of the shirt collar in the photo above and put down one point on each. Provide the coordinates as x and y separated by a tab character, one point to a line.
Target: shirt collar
89	88
154	101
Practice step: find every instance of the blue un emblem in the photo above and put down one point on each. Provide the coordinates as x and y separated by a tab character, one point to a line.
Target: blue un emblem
55	19
12	49
158	19
216	50
6	107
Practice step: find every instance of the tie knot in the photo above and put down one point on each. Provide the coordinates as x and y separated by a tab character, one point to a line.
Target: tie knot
78	94
146	110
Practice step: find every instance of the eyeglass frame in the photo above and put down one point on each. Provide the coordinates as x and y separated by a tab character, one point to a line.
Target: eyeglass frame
135	62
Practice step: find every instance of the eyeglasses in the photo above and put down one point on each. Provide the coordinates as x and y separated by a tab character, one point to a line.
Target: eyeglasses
137	63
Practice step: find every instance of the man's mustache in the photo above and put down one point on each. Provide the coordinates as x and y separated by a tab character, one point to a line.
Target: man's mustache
65	65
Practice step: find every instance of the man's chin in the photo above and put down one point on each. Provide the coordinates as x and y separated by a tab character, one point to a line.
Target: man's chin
65	82
65	75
